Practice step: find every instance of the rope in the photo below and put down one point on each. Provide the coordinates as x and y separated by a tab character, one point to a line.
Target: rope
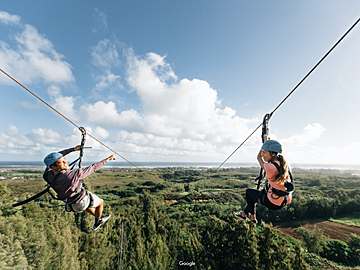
81	152
47	104
293	90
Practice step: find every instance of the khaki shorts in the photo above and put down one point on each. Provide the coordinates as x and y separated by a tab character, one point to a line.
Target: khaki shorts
86	202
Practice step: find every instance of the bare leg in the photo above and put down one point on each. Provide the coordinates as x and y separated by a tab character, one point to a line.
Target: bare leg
97	212
91	211
99	209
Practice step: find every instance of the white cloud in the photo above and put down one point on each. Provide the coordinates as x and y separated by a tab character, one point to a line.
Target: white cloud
54	91
12	142
185	109
301	147
28	106
7	18
107	80
105	57
163	148
54	140
41	56
101	113
101	19
45	136
63	104
106	115
12	130
34	57
40	142
178	117
102	133
310	133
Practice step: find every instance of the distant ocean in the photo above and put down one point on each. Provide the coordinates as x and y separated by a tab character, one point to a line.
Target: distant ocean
39	164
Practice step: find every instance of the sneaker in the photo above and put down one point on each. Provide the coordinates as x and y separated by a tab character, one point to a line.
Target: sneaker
240	215
99	222
254	220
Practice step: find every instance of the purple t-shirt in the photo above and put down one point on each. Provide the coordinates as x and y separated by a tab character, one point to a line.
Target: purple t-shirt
67	183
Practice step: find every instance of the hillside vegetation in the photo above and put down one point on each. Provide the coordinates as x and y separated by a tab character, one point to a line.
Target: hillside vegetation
176	218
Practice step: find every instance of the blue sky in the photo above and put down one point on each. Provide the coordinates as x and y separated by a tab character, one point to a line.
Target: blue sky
180	80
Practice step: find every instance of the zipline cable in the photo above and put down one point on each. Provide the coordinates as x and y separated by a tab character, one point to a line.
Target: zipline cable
47	104
293	90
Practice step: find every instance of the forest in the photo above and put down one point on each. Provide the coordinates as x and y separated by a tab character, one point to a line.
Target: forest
178	218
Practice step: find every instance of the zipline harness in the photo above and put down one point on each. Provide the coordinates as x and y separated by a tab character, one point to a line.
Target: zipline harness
48	188
290	187
82	145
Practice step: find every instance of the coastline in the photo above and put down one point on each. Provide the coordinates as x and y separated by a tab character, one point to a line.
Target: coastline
151	165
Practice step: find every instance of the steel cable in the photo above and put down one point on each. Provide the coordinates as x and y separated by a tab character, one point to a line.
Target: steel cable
293	90
47	104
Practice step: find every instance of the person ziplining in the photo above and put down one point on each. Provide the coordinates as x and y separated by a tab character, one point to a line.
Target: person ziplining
69	186
279	186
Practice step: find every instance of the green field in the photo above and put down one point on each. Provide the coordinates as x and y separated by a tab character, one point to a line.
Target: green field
166	214
351	219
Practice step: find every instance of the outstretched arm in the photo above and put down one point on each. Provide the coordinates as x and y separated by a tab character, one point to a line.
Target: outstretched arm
81	173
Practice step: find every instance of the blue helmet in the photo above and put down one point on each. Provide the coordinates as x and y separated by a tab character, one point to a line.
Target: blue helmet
52	158
272	146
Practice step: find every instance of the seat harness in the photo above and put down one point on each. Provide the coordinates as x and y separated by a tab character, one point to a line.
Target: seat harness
290	187
79	190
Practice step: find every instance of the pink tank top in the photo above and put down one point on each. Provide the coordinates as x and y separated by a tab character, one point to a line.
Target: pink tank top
271	173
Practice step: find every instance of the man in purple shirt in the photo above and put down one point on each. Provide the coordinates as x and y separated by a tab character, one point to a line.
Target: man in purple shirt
68	184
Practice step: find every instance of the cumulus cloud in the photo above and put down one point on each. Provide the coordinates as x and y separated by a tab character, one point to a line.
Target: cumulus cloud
310	133
45	136
54	140
105	57
34	58
102	133
300	147
41	141
105	54
64	104
7	18
183	109
177	117
11	142
107	80
12	130
152	145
